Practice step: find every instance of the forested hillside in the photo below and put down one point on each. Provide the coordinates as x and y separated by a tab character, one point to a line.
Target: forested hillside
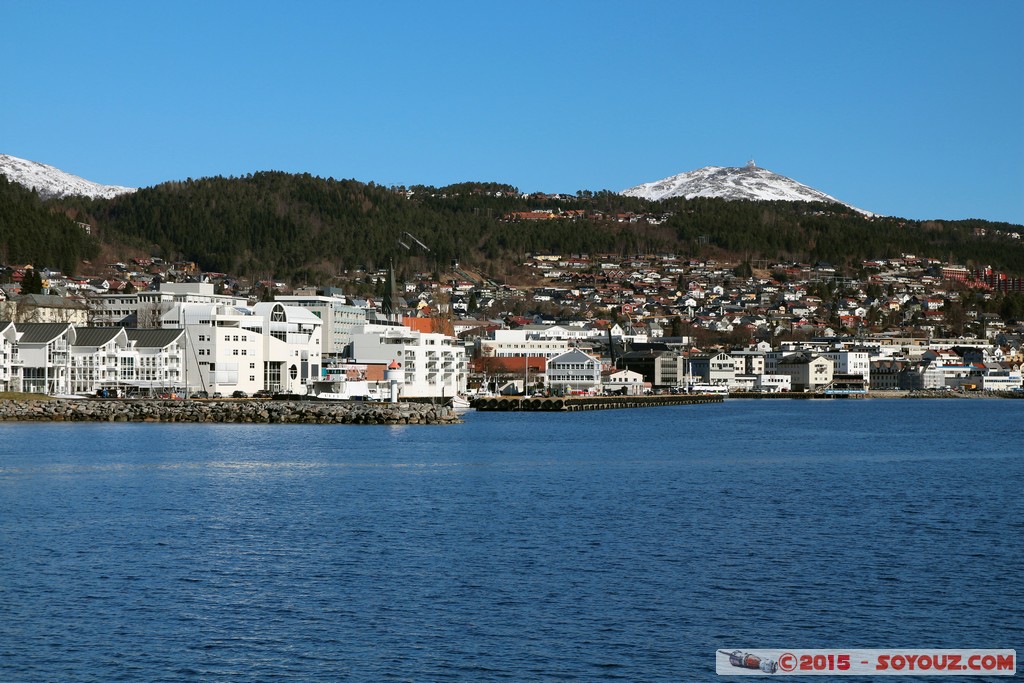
302	227
31	231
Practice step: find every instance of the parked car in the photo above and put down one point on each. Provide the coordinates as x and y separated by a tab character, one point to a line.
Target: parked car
263	393
238	393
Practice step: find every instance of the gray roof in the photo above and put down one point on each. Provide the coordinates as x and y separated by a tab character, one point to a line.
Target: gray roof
154	338
40	333
51	301
95	336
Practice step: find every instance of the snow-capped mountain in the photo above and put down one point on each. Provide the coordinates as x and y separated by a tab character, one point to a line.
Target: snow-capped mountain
53	182
746	182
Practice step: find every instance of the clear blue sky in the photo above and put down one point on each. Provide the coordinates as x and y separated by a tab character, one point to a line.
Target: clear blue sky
907	108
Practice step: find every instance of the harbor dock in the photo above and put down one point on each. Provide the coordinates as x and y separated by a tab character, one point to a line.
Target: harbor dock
577	403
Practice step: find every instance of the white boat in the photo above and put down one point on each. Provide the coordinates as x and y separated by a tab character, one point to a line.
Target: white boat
460	404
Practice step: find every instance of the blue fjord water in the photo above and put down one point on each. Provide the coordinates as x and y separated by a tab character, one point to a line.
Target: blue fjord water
614	545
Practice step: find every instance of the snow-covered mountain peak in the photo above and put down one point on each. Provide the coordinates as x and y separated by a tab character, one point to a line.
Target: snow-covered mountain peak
53	182
735	182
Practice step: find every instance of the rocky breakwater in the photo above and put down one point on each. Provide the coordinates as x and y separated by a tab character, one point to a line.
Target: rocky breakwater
269	412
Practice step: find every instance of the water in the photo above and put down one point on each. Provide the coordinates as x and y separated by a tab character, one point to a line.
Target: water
612	545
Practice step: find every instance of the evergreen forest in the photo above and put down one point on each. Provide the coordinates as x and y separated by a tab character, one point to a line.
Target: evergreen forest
306	228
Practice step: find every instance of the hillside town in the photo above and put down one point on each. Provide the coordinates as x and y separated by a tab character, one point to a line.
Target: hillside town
584	324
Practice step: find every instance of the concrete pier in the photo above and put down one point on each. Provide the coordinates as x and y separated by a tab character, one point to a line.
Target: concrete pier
577	403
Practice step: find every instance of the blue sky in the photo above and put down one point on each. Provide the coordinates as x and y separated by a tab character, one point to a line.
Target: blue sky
900	107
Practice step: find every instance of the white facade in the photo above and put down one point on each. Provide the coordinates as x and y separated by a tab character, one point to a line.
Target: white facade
101	358
43	359
520	344
8	337
850	363
434	364
340	320
625	382
1000	380
241	349
573	371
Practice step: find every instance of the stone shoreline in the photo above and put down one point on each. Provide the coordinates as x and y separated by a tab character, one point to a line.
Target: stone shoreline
245	411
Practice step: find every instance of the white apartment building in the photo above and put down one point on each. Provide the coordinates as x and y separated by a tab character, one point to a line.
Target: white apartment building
266	346
850	363
43	361
8	349
160	357
520	344
435	364
101	358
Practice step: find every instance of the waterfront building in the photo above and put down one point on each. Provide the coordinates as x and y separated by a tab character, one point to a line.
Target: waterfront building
43	358
896	375
245	349
999	379
670	369
625	382
573	372
8	349
849	362
160	356
101	358
807	371
434	364
712	368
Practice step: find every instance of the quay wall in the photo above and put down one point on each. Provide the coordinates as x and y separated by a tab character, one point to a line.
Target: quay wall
578	403
270	412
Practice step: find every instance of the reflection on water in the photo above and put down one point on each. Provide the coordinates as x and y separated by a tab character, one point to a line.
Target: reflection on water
626	545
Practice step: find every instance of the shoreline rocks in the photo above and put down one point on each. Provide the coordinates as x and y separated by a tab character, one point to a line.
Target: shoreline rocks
253	411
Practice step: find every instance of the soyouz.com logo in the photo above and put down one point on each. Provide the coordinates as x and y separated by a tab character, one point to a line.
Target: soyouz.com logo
877	662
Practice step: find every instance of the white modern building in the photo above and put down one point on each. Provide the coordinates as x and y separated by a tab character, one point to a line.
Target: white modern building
340	320
434	364
850	363
160	358
245	349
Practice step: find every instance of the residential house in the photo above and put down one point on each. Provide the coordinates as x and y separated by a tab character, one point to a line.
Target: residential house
625	382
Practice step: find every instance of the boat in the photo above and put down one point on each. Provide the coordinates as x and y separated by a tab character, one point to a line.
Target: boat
460	404
343	384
